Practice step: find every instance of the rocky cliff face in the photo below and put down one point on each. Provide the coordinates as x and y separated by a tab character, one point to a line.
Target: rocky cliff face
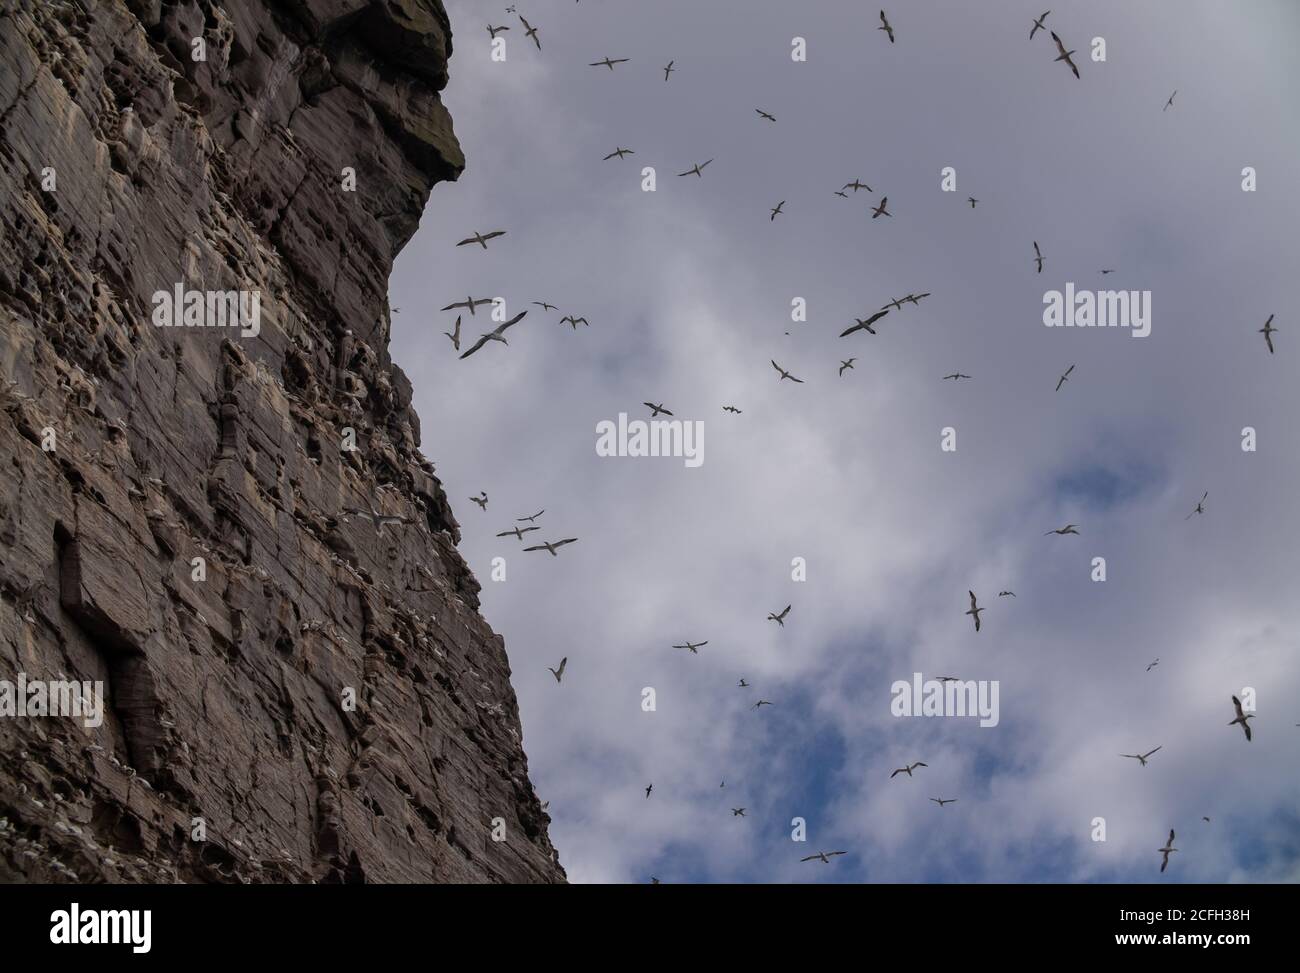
292	692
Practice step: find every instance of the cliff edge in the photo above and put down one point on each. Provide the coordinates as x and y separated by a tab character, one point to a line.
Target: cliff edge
214	508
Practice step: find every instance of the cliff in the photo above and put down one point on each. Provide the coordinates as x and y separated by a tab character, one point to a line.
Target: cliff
292	692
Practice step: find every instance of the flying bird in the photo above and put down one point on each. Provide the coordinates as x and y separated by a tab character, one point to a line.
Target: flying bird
482	238
550	546
574	322
608	62
1166	850
857	184
481	500
379	520
1267	332
1140	757
972	200
1153	665
516	532
469	302
693	646
785	374
840	192
770	118
761	702
531	31
907	769
884	25
941	802
731	408
776	210
620	152
495	30
864	325
1242	717
742	684
779	619
823	856
697	169
1170	103
846	364
1200	506
1038	257
1064	378
1003	594
916	298
546	307
1067	529
455	335
497	335
974	610
955	376
532	518
559	673
668	69
648	789
656	409
1038	25
880	210
1065	55
1105	272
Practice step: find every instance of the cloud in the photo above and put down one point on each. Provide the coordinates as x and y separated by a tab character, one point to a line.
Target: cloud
688	291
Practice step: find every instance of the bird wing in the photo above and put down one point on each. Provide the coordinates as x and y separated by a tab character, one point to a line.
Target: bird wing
567	540
475	347
1237	705
539	547
563	662
1149	752
513	321
919	764
1059	46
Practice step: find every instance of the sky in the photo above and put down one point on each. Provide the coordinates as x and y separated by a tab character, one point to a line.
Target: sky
688	290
